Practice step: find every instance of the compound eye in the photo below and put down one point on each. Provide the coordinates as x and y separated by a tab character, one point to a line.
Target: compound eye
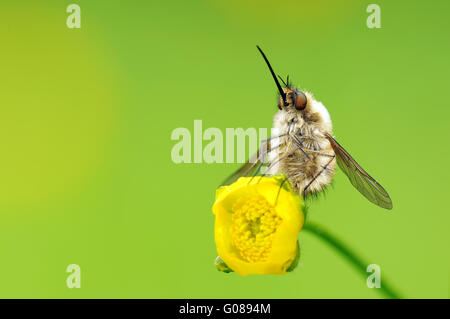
300	101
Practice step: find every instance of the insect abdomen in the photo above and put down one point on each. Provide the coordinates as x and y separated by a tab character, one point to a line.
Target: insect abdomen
314	172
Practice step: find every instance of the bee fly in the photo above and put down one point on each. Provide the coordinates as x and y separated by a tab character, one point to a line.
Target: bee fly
305	149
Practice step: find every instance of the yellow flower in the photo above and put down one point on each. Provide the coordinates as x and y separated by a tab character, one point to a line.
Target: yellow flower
257	225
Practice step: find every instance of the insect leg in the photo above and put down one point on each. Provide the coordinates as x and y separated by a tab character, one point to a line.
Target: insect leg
319	153
261	164
273	163
262	153
284	156
261	149
279	190
318	174
261	156
300	144
299	147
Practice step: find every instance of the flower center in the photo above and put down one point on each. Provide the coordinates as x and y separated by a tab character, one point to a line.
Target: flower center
255	222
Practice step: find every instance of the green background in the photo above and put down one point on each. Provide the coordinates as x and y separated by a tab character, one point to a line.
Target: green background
86	175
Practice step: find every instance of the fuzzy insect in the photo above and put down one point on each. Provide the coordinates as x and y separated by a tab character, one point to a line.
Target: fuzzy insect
305	150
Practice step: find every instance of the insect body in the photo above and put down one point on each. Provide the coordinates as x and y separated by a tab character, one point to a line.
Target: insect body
304	149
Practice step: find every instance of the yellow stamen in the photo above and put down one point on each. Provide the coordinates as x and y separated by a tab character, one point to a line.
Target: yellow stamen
255	222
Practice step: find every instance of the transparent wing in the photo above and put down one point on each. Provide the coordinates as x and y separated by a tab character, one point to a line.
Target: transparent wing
359	178
250	168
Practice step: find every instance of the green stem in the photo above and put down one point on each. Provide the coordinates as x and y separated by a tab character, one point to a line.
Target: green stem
346	252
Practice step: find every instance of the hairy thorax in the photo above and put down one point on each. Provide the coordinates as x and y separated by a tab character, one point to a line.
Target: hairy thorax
302	152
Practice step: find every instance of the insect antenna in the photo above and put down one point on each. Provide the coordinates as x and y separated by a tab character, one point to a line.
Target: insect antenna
284	83
283	95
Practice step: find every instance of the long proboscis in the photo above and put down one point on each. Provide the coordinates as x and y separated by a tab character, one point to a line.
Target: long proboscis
283	95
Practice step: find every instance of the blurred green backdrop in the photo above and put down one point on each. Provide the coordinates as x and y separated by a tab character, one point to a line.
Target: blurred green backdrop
87	115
